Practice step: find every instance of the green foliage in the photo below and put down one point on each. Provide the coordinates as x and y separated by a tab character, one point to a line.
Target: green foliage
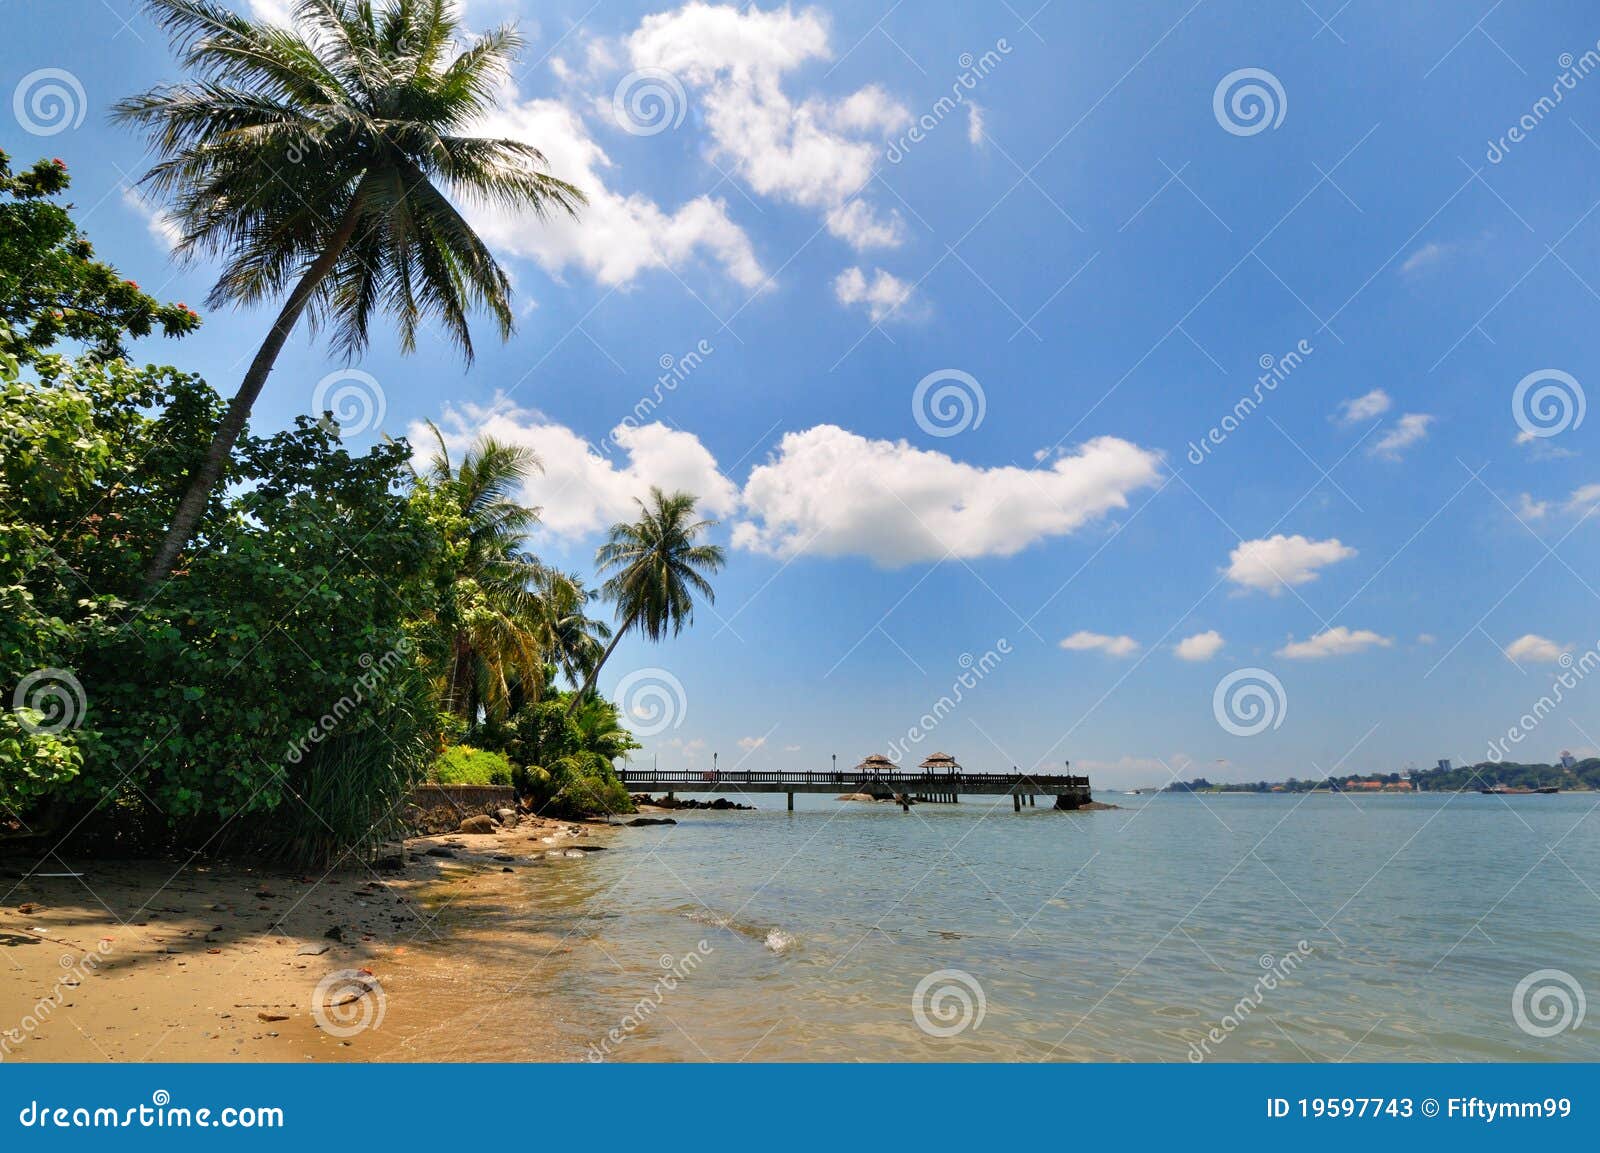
51	286
212	701
465	765
568	756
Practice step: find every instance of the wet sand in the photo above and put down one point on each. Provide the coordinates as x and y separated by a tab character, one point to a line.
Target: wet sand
162	961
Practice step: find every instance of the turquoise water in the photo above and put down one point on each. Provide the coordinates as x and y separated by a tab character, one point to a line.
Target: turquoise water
1125	935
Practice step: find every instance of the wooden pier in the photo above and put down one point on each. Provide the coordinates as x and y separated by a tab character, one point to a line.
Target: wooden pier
1070	792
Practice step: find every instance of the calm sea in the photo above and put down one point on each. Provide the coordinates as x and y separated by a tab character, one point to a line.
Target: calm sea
1234	928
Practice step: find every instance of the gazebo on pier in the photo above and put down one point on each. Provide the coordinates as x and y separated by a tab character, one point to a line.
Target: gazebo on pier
941	763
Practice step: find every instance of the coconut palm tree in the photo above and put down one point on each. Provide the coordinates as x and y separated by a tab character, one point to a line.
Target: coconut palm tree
658	569
315	161
573	639
489	611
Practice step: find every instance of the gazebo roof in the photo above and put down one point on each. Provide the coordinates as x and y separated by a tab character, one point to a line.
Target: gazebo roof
939	761
877	763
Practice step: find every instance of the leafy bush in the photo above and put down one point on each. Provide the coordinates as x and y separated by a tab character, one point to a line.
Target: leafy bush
465	765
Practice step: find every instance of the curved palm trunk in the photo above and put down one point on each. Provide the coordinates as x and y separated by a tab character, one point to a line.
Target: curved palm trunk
594	673
232	424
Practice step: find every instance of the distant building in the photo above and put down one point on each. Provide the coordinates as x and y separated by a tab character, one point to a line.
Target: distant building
1568	761
1444	764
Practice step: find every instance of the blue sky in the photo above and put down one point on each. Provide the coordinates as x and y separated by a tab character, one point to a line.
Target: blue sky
1096	247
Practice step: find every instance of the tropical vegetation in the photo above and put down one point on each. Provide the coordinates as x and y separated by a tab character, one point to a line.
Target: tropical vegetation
348	624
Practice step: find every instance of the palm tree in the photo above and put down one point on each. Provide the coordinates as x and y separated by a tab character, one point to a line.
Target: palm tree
313	160
659	567
573	639
490	611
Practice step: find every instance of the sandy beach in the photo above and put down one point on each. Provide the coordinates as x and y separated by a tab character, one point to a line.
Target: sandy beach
157	960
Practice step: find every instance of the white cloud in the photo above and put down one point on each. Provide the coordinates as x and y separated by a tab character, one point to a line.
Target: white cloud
616	237
882	295
1334	642
974	124
580	490
1085	642
1200	647
750	744
1582	499
1407	431
1427	256
830	492
1280	560
1532	647
1361	408
1530	509
808	152
159	223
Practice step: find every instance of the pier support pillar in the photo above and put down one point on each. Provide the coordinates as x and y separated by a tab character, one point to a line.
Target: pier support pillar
791	802
1016	803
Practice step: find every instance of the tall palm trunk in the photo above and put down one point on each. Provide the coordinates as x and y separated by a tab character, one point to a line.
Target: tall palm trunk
232	424
594	673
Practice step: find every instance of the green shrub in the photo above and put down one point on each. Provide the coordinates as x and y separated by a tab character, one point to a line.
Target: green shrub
465	765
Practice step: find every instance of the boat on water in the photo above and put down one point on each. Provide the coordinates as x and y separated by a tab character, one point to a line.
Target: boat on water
1504	791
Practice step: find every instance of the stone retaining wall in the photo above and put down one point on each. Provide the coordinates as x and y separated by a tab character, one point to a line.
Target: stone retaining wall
441	808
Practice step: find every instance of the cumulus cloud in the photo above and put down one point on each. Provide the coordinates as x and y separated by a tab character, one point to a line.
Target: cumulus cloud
1086	642
1407	431
1532	647
750	744
1335	642
1363	408
809	152
1530	509
582	490
882	295
1584	498
617	236
1271	563
1200	647
830	492
157	222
